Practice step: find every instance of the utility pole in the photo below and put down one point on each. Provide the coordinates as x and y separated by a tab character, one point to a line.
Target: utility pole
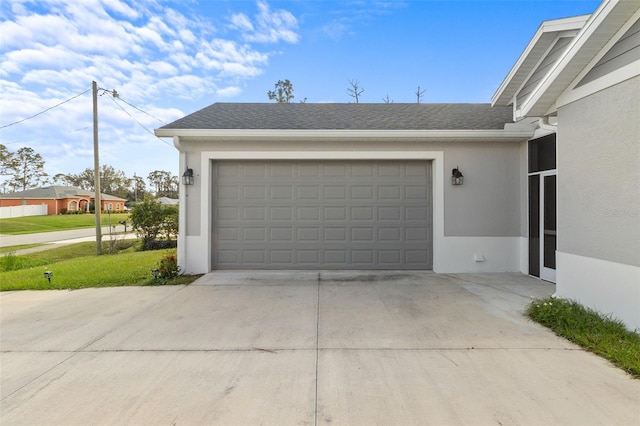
96	170
96	162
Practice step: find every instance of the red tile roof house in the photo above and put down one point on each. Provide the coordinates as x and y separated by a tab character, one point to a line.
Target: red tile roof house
61	199
549	187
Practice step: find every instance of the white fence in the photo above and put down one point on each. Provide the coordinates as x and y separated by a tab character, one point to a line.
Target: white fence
20	211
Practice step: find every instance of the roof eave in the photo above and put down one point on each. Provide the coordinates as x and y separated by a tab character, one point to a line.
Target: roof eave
590	39
334	134
534	51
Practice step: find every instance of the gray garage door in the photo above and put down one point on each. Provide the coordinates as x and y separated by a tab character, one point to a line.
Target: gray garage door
322	215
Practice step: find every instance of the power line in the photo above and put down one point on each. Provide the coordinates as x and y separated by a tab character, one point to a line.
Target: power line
142	111
139	124
42	112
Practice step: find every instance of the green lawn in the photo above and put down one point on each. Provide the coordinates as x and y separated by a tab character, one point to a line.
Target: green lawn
596	333
76	266
35	224
18	247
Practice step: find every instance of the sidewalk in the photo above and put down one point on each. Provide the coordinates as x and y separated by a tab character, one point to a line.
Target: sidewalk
58	238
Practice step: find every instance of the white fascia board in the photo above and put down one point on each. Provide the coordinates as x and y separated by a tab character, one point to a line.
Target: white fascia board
507	89
270	134
622	74
594	21
573	93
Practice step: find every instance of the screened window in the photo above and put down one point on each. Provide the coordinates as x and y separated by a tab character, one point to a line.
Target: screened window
542	153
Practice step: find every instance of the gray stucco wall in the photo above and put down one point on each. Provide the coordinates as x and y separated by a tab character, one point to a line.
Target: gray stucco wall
487	205
524	190
599	175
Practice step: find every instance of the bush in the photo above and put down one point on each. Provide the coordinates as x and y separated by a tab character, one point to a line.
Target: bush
155	224
168	267
159	245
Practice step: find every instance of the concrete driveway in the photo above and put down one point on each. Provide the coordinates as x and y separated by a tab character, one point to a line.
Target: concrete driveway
291	348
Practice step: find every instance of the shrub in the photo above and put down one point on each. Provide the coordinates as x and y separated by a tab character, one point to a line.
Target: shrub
168	267
154	222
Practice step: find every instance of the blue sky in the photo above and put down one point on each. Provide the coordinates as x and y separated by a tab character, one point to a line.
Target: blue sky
168	58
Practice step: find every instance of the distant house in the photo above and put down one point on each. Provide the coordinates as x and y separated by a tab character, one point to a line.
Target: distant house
168	201
544	180
61	199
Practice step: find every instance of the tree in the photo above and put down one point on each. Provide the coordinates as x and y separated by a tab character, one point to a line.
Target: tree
283	92
155	224
8	165
138	189
60	179
386	100
355	90
83	180
29	170
113	182
165	183
419	94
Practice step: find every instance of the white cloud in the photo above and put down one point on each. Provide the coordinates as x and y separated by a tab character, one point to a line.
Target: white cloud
121	8
228	92
158	56
335	29
240	21
270	26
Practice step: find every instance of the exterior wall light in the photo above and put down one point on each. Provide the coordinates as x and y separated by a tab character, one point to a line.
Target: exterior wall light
456	177
187	177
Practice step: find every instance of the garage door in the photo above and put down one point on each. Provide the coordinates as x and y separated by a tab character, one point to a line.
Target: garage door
322	215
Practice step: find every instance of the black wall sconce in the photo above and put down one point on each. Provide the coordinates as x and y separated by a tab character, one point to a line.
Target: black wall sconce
187	177
456	177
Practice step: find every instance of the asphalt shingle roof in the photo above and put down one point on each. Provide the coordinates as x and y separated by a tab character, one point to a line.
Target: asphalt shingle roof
308	116
57	192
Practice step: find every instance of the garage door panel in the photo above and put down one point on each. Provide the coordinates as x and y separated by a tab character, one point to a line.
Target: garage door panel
308	234
281	256
416	213
308	213
389	213
362	213
366	257
322	215
417	169
362	234
254	234
253	213
334	170
282	192
282	170
335	213
389	257
282	234
281	213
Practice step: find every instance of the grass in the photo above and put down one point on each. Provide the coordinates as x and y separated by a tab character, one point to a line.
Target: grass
76	266
596	333
18	247
35	224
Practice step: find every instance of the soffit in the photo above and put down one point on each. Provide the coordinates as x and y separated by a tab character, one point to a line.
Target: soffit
601	27
544	39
